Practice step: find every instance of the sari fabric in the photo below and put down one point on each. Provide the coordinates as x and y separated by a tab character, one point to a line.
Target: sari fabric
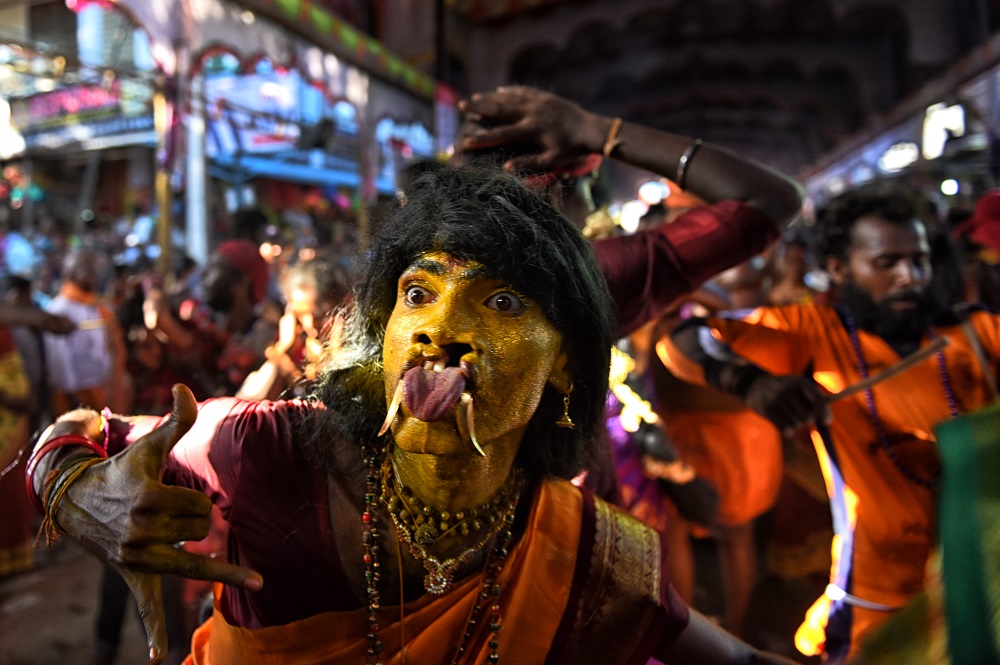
584	583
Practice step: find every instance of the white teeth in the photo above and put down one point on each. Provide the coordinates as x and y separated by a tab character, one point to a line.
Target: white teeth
429	364
440	365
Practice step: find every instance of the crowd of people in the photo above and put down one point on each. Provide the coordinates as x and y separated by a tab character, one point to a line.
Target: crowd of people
497	440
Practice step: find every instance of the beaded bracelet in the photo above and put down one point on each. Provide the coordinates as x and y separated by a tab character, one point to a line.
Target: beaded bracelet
46	448
56	488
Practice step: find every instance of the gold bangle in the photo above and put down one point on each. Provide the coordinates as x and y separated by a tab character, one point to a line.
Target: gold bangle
612	141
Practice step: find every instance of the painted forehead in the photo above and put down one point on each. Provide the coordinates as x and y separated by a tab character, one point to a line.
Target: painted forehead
441	263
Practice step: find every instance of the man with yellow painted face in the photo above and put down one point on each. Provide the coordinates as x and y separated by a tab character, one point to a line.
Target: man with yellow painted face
415	508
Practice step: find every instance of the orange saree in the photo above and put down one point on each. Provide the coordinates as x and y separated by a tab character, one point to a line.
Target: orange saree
585	578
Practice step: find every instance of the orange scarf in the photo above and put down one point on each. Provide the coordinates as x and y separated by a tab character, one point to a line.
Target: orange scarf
536	581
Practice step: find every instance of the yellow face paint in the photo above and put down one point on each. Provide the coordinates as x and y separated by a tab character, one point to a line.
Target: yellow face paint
451	313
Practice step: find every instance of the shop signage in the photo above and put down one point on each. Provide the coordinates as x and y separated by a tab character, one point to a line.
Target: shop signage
83	99
66	134
272	122
80	112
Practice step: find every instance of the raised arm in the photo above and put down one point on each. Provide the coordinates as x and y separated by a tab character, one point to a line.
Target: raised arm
119	509
560	133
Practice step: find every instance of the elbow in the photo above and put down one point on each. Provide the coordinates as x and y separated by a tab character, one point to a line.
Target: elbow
781	203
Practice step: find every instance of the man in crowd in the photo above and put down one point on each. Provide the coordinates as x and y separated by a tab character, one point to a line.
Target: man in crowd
86	366
876	447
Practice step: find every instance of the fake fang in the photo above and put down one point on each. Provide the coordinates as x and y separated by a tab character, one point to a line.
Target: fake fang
429	393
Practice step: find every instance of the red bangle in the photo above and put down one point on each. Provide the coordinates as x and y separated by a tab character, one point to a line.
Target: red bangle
47	447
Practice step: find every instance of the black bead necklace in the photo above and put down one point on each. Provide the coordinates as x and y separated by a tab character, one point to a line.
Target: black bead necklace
370	538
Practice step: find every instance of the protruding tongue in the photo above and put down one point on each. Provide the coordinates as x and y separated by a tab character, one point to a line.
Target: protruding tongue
428	394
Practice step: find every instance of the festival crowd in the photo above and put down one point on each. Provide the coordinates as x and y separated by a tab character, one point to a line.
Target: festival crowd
505	430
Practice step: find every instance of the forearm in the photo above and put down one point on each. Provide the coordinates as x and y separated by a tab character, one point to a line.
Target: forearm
790	400
17	315
712	173
33	317
562	133
159	318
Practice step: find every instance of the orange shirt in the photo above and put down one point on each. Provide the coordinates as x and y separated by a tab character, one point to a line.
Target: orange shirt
886	522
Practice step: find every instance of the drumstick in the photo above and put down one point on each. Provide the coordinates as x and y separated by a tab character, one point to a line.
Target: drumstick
906	363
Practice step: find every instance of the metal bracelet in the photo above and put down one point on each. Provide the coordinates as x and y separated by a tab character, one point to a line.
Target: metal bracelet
685	161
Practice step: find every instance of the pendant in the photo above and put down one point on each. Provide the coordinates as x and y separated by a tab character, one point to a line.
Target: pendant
437	581
426	534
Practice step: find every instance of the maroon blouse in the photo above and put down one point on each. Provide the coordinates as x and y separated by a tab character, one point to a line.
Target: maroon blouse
648	271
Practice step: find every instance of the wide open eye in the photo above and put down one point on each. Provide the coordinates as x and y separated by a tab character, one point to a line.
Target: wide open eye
506	302
417	295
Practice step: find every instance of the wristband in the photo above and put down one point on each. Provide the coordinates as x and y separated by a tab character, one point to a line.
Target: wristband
612	141
46	448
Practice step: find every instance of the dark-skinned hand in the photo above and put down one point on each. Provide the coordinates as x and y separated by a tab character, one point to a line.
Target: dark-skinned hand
791	402
120	511
55	324
551	131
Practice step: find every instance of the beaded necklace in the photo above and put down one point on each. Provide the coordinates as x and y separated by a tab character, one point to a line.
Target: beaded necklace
369	538
883	437
441	573
427	524
490	590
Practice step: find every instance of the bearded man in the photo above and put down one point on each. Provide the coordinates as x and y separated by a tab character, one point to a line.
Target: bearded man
876	448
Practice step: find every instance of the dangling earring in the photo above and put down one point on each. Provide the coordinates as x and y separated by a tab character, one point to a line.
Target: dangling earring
565	420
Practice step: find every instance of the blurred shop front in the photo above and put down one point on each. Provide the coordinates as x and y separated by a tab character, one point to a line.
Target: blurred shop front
80	141
188	111
285	104
942	139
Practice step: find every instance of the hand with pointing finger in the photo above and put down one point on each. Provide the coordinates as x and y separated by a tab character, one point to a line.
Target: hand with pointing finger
120	510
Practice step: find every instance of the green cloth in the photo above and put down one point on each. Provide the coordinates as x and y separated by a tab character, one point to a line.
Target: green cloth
969	515
957	622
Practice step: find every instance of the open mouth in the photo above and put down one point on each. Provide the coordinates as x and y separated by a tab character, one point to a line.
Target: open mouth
432	388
